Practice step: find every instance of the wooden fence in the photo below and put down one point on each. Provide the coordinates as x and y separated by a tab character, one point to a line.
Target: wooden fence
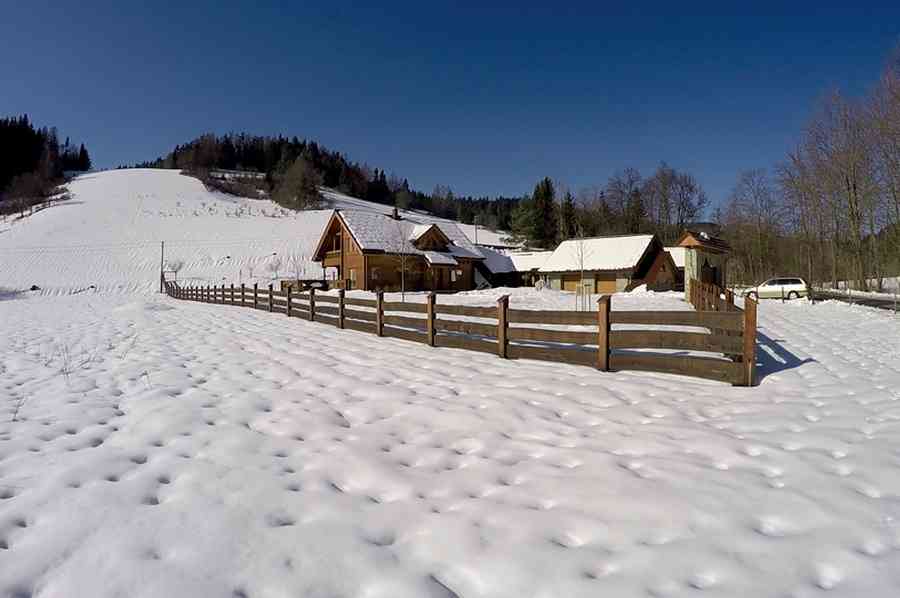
525	334
710	297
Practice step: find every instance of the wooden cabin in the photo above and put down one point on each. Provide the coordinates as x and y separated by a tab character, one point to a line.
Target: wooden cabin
371	251
678	257
609	265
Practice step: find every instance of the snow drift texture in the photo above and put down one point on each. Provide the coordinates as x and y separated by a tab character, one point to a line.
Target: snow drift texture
152	447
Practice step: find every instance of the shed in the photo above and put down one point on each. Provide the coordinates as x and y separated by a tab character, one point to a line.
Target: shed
609	264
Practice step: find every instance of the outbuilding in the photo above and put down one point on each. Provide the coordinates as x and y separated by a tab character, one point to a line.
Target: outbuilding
705	259
609	265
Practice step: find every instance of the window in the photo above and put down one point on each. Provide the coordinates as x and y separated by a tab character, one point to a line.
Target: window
374	273
352	282
453	275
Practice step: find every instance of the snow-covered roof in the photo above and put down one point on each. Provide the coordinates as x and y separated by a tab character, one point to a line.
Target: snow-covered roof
418	230
677	254
485	236
598	253
374	231
497	261
525	261
440	259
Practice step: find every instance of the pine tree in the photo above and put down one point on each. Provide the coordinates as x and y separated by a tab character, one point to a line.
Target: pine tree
84	159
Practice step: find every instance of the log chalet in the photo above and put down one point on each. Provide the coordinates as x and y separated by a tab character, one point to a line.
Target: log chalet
371	251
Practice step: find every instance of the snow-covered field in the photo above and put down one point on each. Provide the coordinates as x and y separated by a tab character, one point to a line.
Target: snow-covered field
153	447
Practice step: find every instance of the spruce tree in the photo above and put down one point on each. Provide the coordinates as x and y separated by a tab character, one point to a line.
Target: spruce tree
567	217
545	214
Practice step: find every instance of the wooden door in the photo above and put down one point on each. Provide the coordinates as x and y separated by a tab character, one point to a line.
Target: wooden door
606	287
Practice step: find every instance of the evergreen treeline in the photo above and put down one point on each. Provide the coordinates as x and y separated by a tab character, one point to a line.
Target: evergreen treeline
275	157
32	162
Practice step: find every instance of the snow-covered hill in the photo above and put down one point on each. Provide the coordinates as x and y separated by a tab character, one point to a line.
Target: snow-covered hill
153	447
108	235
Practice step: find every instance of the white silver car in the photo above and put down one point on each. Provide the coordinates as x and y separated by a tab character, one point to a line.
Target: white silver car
779	288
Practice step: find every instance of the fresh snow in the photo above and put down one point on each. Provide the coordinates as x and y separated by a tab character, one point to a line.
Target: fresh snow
374	231
154	447
598	253
678	255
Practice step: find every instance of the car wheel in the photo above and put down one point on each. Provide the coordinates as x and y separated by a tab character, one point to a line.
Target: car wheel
793	295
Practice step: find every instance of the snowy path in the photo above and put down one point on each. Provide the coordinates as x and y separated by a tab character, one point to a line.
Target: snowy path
200	450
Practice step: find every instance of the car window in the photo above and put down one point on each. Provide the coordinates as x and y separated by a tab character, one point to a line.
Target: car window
769	283
796	281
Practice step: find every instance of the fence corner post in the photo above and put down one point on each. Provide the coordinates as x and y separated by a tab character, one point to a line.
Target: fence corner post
287	298
255	295
379	313
340	308
270	296
312	304
749	355
502	326
429	312
603	308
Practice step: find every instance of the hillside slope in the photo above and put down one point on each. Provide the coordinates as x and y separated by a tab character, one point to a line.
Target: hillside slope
109	235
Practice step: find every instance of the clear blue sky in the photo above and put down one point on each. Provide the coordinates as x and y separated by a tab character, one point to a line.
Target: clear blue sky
486	98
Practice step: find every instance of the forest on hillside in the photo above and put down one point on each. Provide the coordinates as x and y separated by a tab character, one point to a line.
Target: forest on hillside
33	163
829	211
664	202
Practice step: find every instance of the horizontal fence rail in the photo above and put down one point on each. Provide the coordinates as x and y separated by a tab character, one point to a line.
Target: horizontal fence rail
724	330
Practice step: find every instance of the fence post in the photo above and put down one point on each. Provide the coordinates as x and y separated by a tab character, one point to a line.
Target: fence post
243	293
270	296
340	308
603	307
206	294
287	298
312	304
255	295
222	299
379	313
429	314
232	293
502	325
749	356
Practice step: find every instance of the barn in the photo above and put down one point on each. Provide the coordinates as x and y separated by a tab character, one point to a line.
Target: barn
609	264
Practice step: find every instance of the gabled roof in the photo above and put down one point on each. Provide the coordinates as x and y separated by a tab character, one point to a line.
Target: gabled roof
525	261
380	233
599	253
701	239
677	254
